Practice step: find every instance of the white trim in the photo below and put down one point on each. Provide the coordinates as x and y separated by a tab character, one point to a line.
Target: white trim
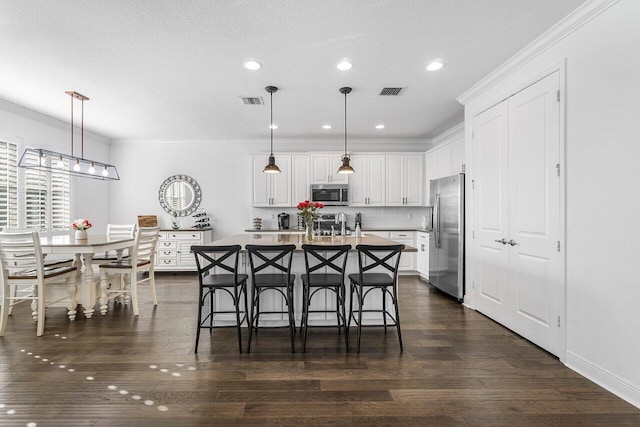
444	137
616	385
558	32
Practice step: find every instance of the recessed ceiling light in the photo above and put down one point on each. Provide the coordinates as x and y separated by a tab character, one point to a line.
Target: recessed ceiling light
273	126
344	65
435	65
326	126
252	65
380	126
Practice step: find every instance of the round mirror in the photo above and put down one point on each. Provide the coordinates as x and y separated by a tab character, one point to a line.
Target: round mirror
180	195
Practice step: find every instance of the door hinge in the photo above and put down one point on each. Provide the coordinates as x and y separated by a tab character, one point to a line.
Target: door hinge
558	322
558	168
464	168
473	183
558	95
473	234
473	134
558	245
473	284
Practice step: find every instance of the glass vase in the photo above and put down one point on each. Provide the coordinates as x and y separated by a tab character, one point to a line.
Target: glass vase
309	231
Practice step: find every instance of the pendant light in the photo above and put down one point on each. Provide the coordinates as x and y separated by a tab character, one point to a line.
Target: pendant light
271	166
346	167
51	161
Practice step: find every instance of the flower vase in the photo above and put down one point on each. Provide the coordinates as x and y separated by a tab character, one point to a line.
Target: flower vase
81	235
309	231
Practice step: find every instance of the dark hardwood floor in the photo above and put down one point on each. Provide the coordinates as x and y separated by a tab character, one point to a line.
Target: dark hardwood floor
458	369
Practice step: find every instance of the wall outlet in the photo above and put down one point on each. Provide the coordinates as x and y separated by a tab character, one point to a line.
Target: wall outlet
273	216
410	215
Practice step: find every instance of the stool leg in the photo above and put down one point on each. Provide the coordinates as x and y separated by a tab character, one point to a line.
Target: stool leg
304	324
212	292
344	317
200	302
292	323
236	302
360	304
253	303
395	300
384	309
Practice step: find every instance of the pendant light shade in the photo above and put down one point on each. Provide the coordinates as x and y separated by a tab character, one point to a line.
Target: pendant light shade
346	167
271	166
52	161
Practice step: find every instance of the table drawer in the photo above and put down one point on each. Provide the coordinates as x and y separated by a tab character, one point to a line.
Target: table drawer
166	253
184	236
167	244
402	235
167	261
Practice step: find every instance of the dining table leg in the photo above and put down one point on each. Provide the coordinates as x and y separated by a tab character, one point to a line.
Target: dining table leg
88	291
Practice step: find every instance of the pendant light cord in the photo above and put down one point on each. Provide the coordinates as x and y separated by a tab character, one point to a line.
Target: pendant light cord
71	126
345	124
271	121
81	128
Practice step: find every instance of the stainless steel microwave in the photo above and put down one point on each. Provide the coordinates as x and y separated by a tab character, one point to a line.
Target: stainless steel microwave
330	194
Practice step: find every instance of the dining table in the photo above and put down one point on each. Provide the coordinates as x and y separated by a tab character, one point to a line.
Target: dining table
84	250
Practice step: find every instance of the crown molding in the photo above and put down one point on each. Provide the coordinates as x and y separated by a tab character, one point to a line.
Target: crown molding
570	23
457	130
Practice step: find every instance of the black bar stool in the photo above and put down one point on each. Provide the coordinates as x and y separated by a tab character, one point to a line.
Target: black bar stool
277	257
208	259
381	257
316	259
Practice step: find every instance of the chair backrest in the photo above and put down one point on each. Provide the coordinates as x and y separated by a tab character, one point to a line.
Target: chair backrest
145	244
278	257
20	250
385	257
147	220
121	230
208	258
317	257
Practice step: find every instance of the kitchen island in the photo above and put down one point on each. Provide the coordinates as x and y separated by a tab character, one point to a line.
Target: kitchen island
323	299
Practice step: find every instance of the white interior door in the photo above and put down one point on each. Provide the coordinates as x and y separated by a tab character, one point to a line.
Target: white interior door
516	149
534	214
490	279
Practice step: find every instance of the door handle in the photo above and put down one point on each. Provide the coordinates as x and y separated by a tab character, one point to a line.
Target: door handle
503	241
512	242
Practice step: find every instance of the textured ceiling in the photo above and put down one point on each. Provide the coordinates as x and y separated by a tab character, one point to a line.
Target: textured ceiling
170	69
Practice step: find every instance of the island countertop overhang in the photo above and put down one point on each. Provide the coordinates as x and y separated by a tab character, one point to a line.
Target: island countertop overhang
299	240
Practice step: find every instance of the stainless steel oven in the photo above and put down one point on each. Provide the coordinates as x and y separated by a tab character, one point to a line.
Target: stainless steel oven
330	194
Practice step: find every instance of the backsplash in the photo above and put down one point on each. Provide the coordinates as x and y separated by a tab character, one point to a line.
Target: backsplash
392	217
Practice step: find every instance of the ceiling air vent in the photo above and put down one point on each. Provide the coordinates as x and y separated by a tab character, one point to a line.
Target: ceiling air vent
249	100
390	91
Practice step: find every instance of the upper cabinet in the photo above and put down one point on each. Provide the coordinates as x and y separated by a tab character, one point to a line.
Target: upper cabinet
299	178
367	184
271	189
405	180
444	160
324	169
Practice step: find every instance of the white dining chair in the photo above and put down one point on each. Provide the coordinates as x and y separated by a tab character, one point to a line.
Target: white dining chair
117	231
142	260
25	278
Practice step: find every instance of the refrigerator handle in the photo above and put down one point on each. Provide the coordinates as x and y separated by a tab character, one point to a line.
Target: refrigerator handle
436	220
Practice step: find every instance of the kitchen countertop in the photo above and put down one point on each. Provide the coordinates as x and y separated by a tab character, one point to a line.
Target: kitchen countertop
364	230
299	240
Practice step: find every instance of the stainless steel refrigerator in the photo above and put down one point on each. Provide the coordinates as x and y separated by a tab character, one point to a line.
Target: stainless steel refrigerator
446	240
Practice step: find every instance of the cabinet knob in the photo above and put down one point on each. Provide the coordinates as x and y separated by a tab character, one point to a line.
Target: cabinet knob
512	242
503	241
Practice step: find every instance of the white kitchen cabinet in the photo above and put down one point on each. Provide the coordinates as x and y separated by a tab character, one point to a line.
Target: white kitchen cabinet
367	184
407	259
324	169
173	251
422	257
405	176
456	158
430	173
443	161
299	178
271	189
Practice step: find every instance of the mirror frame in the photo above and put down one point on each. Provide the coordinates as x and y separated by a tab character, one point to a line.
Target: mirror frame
197	195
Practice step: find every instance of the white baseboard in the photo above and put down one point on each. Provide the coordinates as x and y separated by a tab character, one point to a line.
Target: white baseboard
604	378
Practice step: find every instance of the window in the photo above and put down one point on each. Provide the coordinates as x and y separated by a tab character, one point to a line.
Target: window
47	198
8	185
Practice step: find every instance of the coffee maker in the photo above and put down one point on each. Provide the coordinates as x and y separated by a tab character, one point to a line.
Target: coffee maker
358	220
283	221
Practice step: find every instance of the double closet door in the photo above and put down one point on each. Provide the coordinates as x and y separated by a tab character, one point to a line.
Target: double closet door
517	270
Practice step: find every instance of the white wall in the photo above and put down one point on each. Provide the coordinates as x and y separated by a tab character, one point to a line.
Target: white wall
89	197
223	171
602	189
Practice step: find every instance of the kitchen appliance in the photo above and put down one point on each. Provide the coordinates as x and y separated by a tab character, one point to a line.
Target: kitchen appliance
358	220
330	194
446	240
283	221
331	225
